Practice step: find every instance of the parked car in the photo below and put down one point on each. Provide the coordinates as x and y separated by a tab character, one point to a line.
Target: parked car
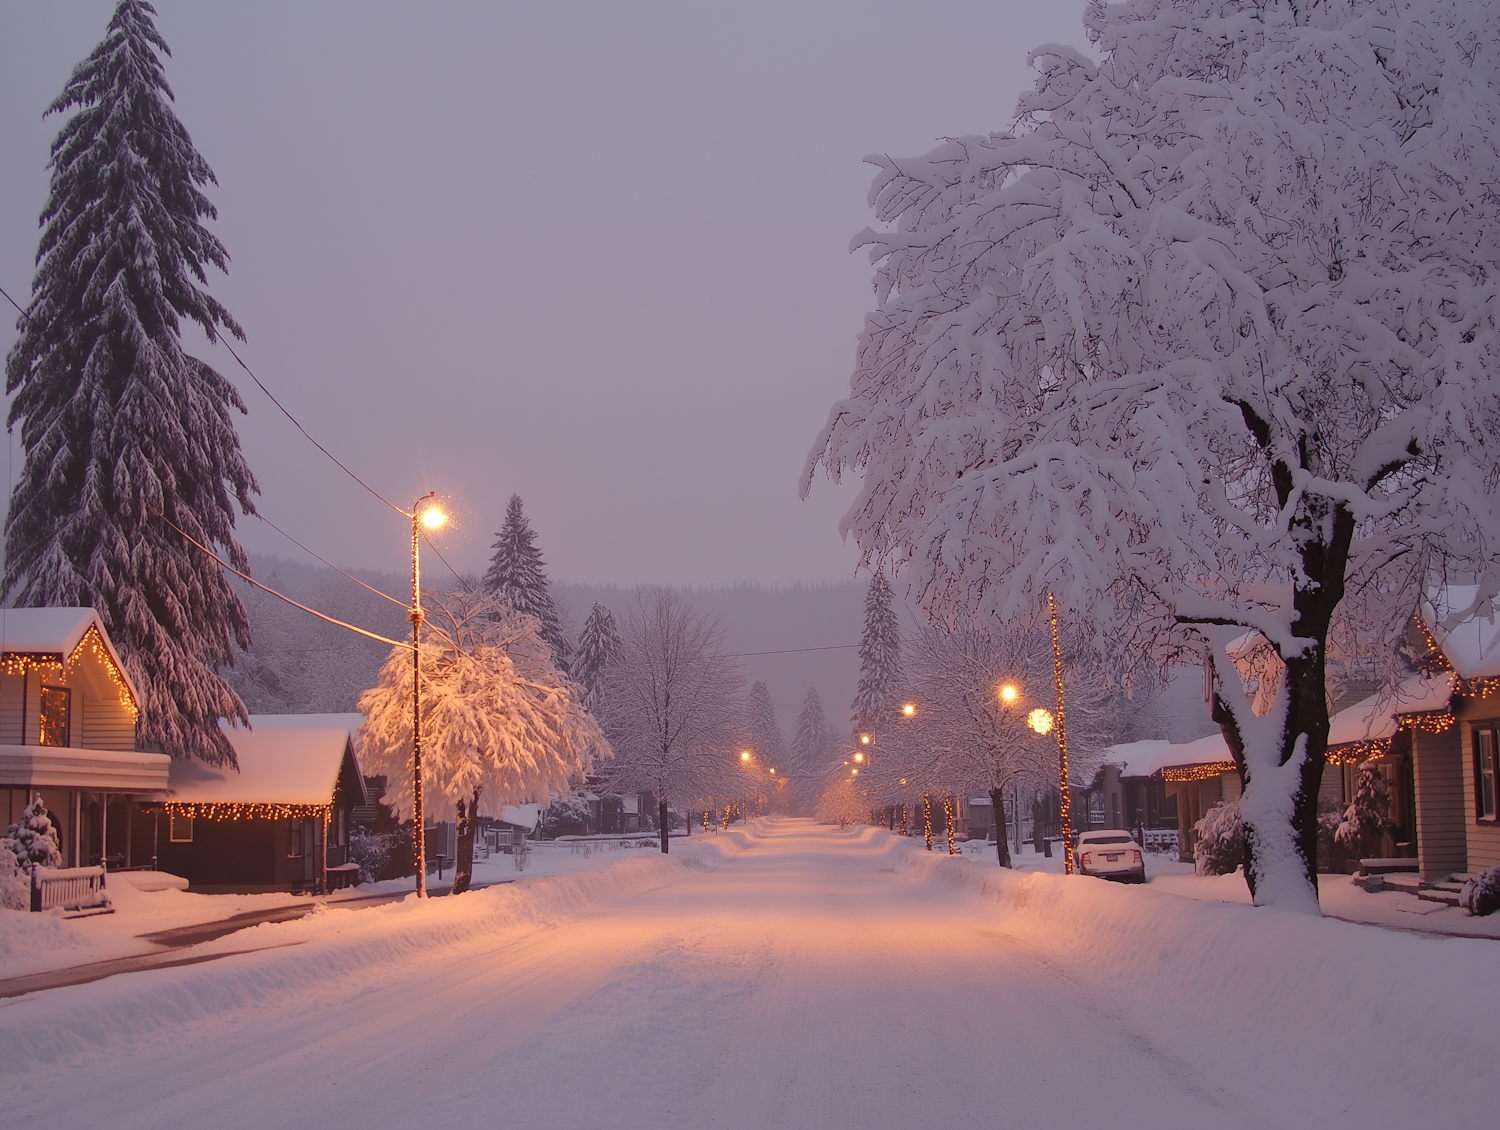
1111	855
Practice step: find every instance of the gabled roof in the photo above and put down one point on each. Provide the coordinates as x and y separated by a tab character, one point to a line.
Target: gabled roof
59	632
1376	717
284	759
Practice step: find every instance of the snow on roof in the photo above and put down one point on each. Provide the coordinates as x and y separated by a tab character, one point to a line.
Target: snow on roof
1473	647
1208	750
55	631
1134	759
284	759
526	816
1374	718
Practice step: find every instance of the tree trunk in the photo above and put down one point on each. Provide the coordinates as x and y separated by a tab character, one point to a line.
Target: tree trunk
661	822
463	866
1038	838
1002	840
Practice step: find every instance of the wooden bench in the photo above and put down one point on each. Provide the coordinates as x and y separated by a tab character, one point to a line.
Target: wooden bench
76	891
343	875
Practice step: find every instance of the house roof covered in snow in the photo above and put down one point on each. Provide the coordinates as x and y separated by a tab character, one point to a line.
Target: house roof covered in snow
1473	646
59	632
1375	718
1135	759
526	816
284	759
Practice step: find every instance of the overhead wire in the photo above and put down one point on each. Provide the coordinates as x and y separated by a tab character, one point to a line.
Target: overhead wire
14	303
330	564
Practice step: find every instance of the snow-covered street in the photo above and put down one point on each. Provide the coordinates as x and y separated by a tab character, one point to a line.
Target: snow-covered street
788	975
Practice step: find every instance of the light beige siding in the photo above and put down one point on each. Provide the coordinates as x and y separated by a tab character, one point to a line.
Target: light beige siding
1438	784
1483	835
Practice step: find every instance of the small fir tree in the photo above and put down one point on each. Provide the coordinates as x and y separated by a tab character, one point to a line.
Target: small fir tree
598	644
120	426
33	838
1368	813
518	574
879	657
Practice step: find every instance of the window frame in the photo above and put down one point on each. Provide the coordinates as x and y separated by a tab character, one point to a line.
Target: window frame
1486	761
174	823
54	692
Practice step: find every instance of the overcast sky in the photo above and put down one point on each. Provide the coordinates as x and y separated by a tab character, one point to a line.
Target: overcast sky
593	254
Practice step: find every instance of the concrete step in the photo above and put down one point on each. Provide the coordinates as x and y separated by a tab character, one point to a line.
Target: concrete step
1439	894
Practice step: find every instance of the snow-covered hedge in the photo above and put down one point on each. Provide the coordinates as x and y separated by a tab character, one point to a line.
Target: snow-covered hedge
1481	894
1220	845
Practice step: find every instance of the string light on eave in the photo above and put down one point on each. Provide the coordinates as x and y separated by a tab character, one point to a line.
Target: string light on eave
93	643
1197	772
246	810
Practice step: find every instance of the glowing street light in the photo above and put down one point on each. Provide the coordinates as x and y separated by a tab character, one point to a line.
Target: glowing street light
1040	720
910	709
864	739
859	757
744	755
1008	694
425	514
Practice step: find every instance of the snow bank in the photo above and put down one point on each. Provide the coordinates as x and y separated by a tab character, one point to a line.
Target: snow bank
337	954
1285	995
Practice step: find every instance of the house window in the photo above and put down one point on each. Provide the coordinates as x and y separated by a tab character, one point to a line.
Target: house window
1486	751
180	829
294	839
52	721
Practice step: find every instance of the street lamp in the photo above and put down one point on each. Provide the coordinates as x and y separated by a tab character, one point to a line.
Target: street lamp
425	514
909	710
1008	694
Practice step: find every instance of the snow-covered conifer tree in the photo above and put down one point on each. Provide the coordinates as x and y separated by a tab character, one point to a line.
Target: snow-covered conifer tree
810	743
121	426
879	657
598	644
518	574
33	838
762	733
499	722
1205	340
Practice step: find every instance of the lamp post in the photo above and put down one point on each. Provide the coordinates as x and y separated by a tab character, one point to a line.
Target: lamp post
1065	805
424	514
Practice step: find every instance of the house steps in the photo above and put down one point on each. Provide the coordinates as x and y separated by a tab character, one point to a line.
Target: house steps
1445	891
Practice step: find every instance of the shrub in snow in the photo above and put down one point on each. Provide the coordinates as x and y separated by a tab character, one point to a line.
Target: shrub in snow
843	805
1221	839
568	816
1481	894
1365	818
33	839
370	850
14	889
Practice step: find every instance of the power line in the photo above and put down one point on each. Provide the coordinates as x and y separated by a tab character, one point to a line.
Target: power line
14	303
330	564
305	432
791	650
444	560
280	596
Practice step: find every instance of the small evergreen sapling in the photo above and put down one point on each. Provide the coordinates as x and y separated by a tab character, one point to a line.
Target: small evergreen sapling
33	838
1220	839
1365	818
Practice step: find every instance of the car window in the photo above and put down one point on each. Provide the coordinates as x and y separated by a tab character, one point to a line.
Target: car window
1092	838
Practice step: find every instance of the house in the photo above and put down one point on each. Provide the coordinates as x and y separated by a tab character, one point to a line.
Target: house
1126	792
68	712
282	822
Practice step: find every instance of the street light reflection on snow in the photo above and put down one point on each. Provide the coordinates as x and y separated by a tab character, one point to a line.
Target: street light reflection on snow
1040	720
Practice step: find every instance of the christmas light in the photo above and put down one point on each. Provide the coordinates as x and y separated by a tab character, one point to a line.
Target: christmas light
94	643
245	810
948	819
1040	720
927	817
1352	753
1433	721
903	817
1065	800
1197	772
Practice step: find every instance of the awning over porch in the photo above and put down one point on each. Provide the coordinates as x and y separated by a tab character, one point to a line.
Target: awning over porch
84	770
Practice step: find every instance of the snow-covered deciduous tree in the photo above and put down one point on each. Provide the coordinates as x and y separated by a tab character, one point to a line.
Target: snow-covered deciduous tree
499	721
121	426
671	704
966	737
598	644
33	838
843	803
518	574
879	658
1208	338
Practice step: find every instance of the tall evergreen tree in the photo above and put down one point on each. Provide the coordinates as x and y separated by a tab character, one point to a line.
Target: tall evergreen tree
879	656
811	741
761	731
118	423
518	574
598	643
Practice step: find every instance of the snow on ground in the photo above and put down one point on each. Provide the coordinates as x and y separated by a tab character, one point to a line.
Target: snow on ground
35	943
785	975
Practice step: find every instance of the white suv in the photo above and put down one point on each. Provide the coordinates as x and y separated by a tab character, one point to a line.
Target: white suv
1111	855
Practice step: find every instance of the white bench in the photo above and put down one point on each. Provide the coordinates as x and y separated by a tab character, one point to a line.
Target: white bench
75	891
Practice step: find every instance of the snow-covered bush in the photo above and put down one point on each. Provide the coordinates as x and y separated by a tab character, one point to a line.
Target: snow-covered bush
15	892
33	839
1220	843
566	816
371	851
1481	894
843	805
1366	817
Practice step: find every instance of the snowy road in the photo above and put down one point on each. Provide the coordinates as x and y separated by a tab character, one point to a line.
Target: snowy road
807	981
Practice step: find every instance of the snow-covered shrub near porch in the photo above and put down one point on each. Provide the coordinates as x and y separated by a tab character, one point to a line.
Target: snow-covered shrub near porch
33	839
1220	839
1366	817
566	815
371	851
1481	894
14	892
